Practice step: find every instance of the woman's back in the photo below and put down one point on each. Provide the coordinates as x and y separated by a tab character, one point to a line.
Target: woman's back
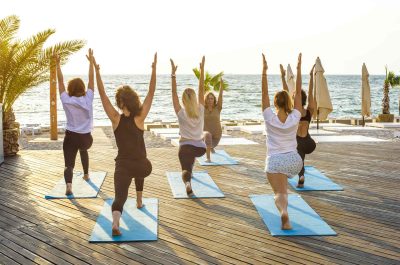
281	136
79	111
191	128
129	138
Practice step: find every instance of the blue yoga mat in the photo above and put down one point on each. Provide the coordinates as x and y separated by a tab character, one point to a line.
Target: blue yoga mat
80	187
135	224
220	157
202	185
304	220
314	180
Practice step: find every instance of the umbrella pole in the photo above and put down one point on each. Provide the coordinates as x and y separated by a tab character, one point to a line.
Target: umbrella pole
317	119
363	121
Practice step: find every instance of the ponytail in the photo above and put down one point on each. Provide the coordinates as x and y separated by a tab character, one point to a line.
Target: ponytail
282	100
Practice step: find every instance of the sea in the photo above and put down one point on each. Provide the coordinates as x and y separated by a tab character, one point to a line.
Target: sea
241	101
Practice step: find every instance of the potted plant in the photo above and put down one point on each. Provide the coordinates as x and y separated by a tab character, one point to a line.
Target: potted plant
24	64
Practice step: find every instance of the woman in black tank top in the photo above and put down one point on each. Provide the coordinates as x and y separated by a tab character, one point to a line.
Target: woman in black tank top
305	144
131	161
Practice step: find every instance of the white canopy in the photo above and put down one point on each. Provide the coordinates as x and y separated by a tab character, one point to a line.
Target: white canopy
290	80
321	93
365	92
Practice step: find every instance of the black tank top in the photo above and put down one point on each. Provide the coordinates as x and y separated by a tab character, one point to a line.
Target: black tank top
307	117
129	140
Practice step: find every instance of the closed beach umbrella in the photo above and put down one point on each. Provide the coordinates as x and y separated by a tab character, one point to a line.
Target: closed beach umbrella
365	93
321	93
290	80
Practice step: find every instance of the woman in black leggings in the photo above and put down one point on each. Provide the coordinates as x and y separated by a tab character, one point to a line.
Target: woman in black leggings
78	106
191	123
305	144
131	161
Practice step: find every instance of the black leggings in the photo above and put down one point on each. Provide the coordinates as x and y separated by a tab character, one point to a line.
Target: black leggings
305	145
187	154
125	170
72	143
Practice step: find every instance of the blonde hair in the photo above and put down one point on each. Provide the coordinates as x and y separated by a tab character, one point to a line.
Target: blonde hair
190	104
282	100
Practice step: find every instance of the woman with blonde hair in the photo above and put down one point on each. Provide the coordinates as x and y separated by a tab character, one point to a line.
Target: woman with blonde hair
191	123
131	161
282	159
77	102
212	121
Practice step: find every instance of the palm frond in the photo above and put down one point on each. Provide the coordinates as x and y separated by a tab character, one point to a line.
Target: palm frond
9	27
25	64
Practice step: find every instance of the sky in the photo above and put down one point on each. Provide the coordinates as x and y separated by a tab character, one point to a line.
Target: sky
125	34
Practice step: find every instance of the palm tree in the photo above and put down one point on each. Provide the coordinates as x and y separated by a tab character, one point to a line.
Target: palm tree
212	82
394	81
24	64
385	100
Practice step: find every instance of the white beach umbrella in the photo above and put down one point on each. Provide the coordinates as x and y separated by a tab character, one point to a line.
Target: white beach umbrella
290	80
321	93
365	93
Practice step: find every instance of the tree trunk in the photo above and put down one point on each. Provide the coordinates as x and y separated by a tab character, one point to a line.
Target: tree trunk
385	100
10	134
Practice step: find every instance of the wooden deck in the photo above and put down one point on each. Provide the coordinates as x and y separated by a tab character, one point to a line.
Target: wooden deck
366	215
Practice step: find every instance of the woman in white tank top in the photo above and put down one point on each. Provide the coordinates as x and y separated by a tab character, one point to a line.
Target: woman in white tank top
191	122
282	159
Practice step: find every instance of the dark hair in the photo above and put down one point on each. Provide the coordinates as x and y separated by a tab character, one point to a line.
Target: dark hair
282	100
303	97
76	87
127	97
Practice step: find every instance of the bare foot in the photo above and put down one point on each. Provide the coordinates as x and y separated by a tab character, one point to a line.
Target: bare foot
188	188
86	177
139	204
208	160
115	231
285	221
213	150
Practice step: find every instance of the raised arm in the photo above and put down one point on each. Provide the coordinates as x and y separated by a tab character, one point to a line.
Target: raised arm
264	86
201	82
311	99
221	91
297	97
91	71
60	78
283	77
111	112
175	99
152	88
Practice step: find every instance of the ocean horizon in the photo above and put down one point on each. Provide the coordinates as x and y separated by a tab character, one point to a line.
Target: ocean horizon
241	101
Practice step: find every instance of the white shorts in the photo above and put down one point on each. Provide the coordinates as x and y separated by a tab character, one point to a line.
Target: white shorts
289	164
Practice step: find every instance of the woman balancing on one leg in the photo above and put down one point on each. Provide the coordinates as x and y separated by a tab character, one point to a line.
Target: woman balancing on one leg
305	144
191	123
131	161
212	120
282	160
78	106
